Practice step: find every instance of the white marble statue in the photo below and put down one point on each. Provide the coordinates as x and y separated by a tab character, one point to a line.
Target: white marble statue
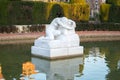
59	27
60	40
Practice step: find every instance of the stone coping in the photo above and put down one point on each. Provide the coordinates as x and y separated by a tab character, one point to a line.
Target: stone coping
85	36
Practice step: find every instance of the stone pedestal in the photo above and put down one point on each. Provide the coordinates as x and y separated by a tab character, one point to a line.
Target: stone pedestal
57	53
52	49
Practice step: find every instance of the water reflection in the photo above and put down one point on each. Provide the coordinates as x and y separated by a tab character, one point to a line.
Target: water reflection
95	66
101	61
98	63
59	69
118	64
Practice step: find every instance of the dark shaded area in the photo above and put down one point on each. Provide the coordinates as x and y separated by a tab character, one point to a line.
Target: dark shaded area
56	11
11	58
114	14
97	26
20	13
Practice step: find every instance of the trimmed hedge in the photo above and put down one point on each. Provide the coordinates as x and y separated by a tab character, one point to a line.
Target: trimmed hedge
39	12
110	13
77	1
19	12
98	26
80	27
56	11
104	12
114	14
80	12
3	12
114	2
66	9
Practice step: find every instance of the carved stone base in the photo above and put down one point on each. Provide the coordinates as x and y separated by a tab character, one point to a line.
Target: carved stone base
57	52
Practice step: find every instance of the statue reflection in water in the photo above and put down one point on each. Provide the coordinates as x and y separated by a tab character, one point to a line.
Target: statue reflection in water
64	69
118	64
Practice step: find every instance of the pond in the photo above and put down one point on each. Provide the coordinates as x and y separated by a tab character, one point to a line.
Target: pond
101	61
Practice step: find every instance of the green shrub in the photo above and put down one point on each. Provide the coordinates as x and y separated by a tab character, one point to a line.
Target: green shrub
80	12
110	13
39	12
114	14
77	1
3	12
114	2
66	9
99	26
104	12
56	11
20	12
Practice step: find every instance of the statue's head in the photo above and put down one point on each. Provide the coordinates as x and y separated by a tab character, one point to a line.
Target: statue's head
64	19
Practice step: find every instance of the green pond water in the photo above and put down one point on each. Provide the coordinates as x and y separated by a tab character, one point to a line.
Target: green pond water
101	61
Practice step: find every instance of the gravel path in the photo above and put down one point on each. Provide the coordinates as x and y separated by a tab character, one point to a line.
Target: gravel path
85	36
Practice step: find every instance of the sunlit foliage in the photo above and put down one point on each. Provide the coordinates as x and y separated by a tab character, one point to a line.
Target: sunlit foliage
104	11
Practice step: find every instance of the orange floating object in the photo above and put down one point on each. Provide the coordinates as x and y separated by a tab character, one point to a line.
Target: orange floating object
28	68
1	75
